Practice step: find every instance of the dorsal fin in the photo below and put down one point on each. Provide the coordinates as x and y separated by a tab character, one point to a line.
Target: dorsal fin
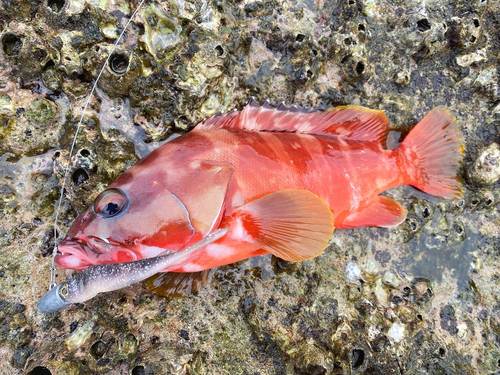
347	122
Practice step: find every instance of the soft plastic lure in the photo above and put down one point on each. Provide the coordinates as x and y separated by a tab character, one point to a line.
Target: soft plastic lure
106	278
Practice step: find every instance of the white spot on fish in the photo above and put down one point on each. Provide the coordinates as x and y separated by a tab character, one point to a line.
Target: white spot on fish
150	251
238	199
192	267
239	232
71	262
219	251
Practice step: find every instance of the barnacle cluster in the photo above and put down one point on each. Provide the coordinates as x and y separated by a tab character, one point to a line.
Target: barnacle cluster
420	298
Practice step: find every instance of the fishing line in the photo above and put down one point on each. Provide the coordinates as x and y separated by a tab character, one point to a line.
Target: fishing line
79	125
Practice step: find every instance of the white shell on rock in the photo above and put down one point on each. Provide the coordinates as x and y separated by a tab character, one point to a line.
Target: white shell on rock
487	166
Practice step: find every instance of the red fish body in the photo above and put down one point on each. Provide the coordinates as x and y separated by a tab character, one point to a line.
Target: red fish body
281	181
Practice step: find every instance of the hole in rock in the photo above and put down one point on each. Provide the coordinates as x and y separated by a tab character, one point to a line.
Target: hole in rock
139	370
425	212
11	44
220	50
300	38
55	5
118	63
98	349
40	370
358	357
360	68
79	176
423	25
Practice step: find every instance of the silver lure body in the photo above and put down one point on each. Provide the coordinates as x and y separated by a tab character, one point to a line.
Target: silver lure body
106	278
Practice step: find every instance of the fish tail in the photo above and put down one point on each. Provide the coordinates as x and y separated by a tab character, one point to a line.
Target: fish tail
431	155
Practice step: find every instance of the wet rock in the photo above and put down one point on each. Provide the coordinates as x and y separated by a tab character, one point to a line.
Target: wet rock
80	336
390	279
41	112
21	355
472	58
448	319
397	332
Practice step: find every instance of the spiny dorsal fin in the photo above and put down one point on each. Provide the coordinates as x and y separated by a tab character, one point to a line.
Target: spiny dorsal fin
347	122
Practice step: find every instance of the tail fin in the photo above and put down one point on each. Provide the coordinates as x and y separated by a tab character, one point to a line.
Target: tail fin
431	155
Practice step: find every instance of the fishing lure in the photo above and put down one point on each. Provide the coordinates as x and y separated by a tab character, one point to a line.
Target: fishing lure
106	278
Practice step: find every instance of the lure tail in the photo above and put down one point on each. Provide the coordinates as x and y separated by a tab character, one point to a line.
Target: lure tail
431	154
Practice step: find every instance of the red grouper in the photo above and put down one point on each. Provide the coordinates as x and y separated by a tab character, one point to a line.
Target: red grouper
280	179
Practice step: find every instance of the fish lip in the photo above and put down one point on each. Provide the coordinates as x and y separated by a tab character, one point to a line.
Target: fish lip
96	244
73	254
78	253
102	245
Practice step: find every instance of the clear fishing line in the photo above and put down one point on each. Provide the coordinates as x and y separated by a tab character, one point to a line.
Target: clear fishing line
79	125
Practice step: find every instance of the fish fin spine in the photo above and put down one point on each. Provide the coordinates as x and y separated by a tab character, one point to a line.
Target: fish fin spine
431	155
347	122
294	225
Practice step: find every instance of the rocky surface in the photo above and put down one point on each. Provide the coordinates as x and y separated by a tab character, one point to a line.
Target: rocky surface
419	299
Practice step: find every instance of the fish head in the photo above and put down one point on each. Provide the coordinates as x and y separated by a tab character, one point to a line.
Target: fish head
59	297
143	213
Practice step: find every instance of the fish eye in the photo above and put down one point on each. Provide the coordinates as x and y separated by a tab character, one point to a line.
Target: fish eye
110	203
63	291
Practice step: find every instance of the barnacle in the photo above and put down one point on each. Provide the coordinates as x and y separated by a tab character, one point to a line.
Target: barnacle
162	32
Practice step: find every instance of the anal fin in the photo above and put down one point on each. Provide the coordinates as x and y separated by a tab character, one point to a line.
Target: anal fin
380	212
293	225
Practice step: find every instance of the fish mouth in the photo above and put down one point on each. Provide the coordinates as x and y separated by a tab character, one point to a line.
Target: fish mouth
80	253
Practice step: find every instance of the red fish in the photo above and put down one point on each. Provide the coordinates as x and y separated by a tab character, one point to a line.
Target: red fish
280	179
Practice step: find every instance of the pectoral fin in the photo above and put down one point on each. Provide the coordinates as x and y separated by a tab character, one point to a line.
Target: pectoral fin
293	225
381	212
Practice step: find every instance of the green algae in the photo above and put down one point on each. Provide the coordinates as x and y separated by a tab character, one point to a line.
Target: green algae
41	112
